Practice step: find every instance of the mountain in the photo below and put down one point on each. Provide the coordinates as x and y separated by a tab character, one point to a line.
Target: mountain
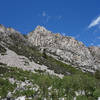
17	51
43	65
65	48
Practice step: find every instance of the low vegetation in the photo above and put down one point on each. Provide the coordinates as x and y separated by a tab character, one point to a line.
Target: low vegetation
42	85
2	50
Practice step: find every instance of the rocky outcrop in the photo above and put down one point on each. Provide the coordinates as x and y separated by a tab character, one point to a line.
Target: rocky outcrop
12	59
64	48
10	36
95	51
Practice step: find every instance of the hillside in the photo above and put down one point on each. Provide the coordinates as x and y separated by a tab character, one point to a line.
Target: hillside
47	66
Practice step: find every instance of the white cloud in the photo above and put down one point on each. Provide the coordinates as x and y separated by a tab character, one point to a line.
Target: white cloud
98	37
94	22
46	17
43	13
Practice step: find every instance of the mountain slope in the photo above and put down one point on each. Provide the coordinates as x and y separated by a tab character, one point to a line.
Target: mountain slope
16	84
95	51
63	48
41	41
47	66
18	52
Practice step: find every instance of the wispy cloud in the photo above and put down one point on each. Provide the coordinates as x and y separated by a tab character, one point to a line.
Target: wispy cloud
94	22
46	17
98	37
43	13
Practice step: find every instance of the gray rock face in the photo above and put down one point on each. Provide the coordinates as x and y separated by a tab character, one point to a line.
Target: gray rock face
95	51
12	59
11	43
10	36
64	48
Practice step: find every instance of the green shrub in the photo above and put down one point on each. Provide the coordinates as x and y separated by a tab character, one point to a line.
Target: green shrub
81	98
97	74
5	87
64	87
96	93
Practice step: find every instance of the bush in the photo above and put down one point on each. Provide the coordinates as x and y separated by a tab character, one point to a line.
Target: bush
96	93
5	87
97	74
81	98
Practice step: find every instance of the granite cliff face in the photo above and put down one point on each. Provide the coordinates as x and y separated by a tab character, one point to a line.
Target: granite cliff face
65	48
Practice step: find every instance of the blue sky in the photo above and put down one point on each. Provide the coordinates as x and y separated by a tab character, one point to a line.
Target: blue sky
77	18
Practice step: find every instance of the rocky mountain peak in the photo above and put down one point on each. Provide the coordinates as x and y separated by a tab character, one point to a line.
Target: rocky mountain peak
63	47
40	28
10	35
11	30
7	29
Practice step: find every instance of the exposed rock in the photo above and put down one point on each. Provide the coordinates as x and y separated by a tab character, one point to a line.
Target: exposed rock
66	48
95	51
11	80
10	36
63	48
9	95
14	60
2	28
98	98
20	98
